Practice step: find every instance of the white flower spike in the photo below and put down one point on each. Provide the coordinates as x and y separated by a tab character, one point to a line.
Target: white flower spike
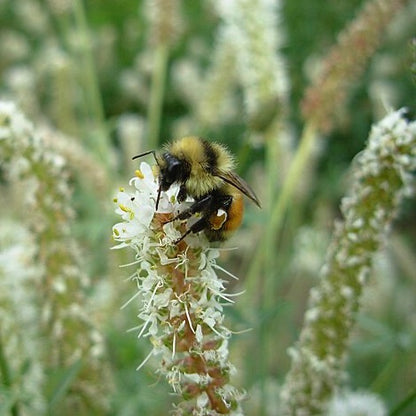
180	296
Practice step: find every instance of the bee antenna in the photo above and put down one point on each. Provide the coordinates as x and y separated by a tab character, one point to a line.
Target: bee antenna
159	191
145	154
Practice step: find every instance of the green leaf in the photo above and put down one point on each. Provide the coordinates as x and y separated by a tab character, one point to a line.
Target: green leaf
407	401
64	379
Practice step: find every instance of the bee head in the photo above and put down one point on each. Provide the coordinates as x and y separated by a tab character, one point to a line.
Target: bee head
172	170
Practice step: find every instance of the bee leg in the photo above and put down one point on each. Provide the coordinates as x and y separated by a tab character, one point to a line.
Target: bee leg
182	194
197	206
195	228
224	202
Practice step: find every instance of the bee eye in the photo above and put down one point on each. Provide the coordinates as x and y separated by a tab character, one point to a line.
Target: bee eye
174	167
174	170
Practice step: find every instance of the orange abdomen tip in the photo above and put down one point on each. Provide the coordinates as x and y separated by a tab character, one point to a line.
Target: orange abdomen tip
235	213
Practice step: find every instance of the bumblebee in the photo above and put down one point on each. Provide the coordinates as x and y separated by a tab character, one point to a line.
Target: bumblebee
204	171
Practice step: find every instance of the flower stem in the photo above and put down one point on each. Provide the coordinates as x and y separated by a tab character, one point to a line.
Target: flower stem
6	377
278	210
100	138
157	93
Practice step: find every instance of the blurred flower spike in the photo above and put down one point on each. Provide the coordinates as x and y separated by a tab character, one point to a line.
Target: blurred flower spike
181	298
382	177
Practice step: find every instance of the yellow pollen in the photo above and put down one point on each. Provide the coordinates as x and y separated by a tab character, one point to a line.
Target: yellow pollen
116	233
115	200
124	208
121	189
139	174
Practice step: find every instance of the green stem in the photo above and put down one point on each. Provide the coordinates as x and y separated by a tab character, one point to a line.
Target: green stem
6	377
298	164
272	150
386	374
156	94
409	399
278	210
101	140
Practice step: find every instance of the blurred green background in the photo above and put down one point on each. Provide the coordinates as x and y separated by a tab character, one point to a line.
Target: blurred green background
108	82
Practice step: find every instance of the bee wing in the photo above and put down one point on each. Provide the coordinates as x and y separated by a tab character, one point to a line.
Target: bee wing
239	183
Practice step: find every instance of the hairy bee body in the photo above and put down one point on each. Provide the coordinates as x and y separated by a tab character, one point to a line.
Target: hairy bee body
204	171
203	159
